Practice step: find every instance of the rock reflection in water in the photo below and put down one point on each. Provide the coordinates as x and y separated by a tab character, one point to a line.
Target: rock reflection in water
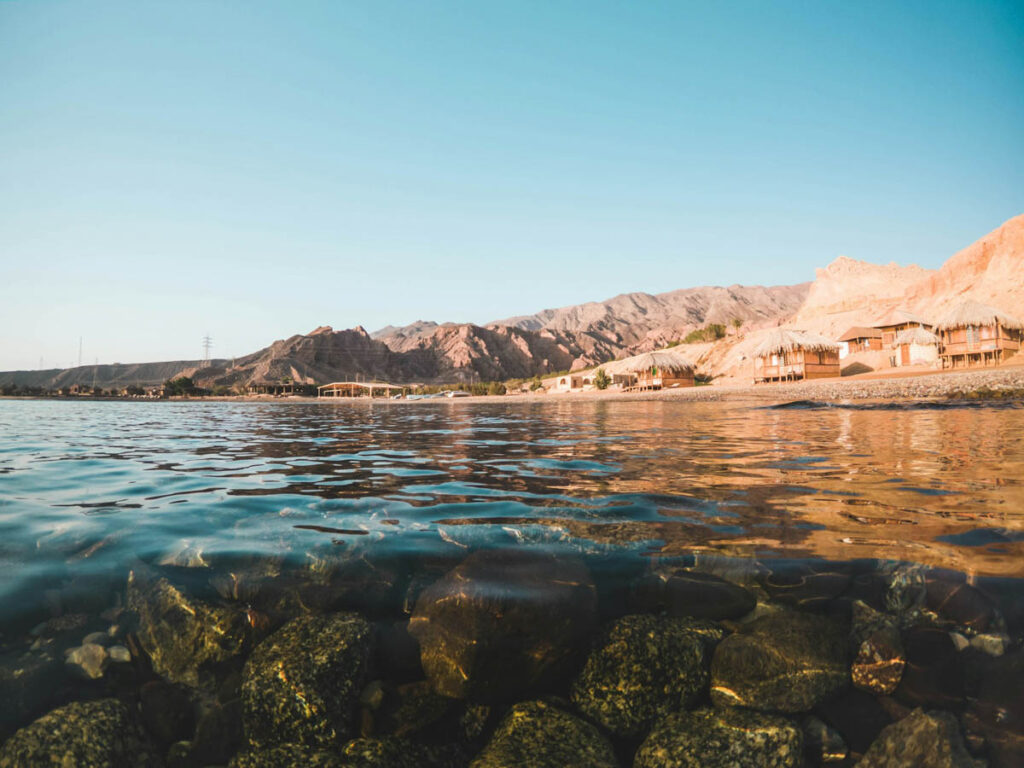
631	584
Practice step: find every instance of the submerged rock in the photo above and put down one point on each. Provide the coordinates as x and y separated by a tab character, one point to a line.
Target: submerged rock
953	599
721	738
302	684
879	657
286	756
923	740
536	734
822	744
934	674
27	683
502	622
786	662
187	640
83	733
998	711
643	668
805	584
87	661
682	592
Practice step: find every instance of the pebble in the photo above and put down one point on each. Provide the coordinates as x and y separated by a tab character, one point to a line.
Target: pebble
119	654
959	640
96	638
88	661
993	645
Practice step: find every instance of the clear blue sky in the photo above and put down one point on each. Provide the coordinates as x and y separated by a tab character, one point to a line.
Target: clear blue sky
255	169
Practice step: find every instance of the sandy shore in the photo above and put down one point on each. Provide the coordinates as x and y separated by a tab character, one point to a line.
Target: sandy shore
917	386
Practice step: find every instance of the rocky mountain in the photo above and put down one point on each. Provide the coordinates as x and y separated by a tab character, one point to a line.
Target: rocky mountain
639	321
847	292
106	376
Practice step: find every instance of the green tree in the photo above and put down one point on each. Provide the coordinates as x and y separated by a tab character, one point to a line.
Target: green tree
536	384
495	388
601	379
737	323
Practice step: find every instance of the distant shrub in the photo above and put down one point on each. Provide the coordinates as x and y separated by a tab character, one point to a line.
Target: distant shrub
496	388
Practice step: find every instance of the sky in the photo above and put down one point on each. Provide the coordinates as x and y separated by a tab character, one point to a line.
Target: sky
251	170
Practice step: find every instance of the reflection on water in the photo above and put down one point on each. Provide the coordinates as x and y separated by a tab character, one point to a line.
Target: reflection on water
491	546
92	486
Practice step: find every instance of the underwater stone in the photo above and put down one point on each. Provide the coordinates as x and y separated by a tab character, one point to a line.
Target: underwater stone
922	739
934	675
83	733
26	684
822	744
119	654
681	592
805	584
998	710
88	661
536	734
286	756
503	621
188	640
726	738
959	602
167	712
302	684
643	668
785	662
879	658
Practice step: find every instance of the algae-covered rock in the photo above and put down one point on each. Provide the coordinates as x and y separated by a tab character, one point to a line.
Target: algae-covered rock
923	740
536	734
879	658
643	668
301	685
786	662
805	584
727	738
822	744
934	673
83	733
502	622
287	756
188	640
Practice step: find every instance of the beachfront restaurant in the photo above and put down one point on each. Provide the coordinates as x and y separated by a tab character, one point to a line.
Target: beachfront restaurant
649	371
915	346
861	339
973	334
792	355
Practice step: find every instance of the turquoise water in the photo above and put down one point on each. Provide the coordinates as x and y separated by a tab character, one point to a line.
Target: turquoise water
88	489
149	551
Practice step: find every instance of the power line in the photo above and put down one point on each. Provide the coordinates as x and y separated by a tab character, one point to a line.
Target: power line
207	343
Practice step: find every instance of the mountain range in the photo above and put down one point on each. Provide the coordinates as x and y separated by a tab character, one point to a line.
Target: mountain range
846	292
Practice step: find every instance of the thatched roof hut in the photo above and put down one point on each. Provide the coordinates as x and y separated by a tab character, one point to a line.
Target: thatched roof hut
974	314
663	359
920	336
783	340
860	332
896	317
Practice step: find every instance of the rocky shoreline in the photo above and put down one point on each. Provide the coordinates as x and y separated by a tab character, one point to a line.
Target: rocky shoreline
521	658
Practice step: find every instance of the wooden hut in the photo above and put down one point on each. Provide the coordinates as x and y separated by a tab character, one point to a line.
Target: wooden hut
662	369
975	334
861	339
790	355
895	321
915	346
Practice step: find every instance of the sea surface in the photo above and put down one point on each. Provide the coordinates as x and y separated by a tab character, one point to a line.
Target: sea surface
399	494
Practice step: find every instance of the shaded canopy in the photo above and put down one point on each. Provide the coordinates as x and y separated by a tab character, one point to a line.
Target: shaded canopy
915	336
860	332
663	360
782	340
898	317
970	313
